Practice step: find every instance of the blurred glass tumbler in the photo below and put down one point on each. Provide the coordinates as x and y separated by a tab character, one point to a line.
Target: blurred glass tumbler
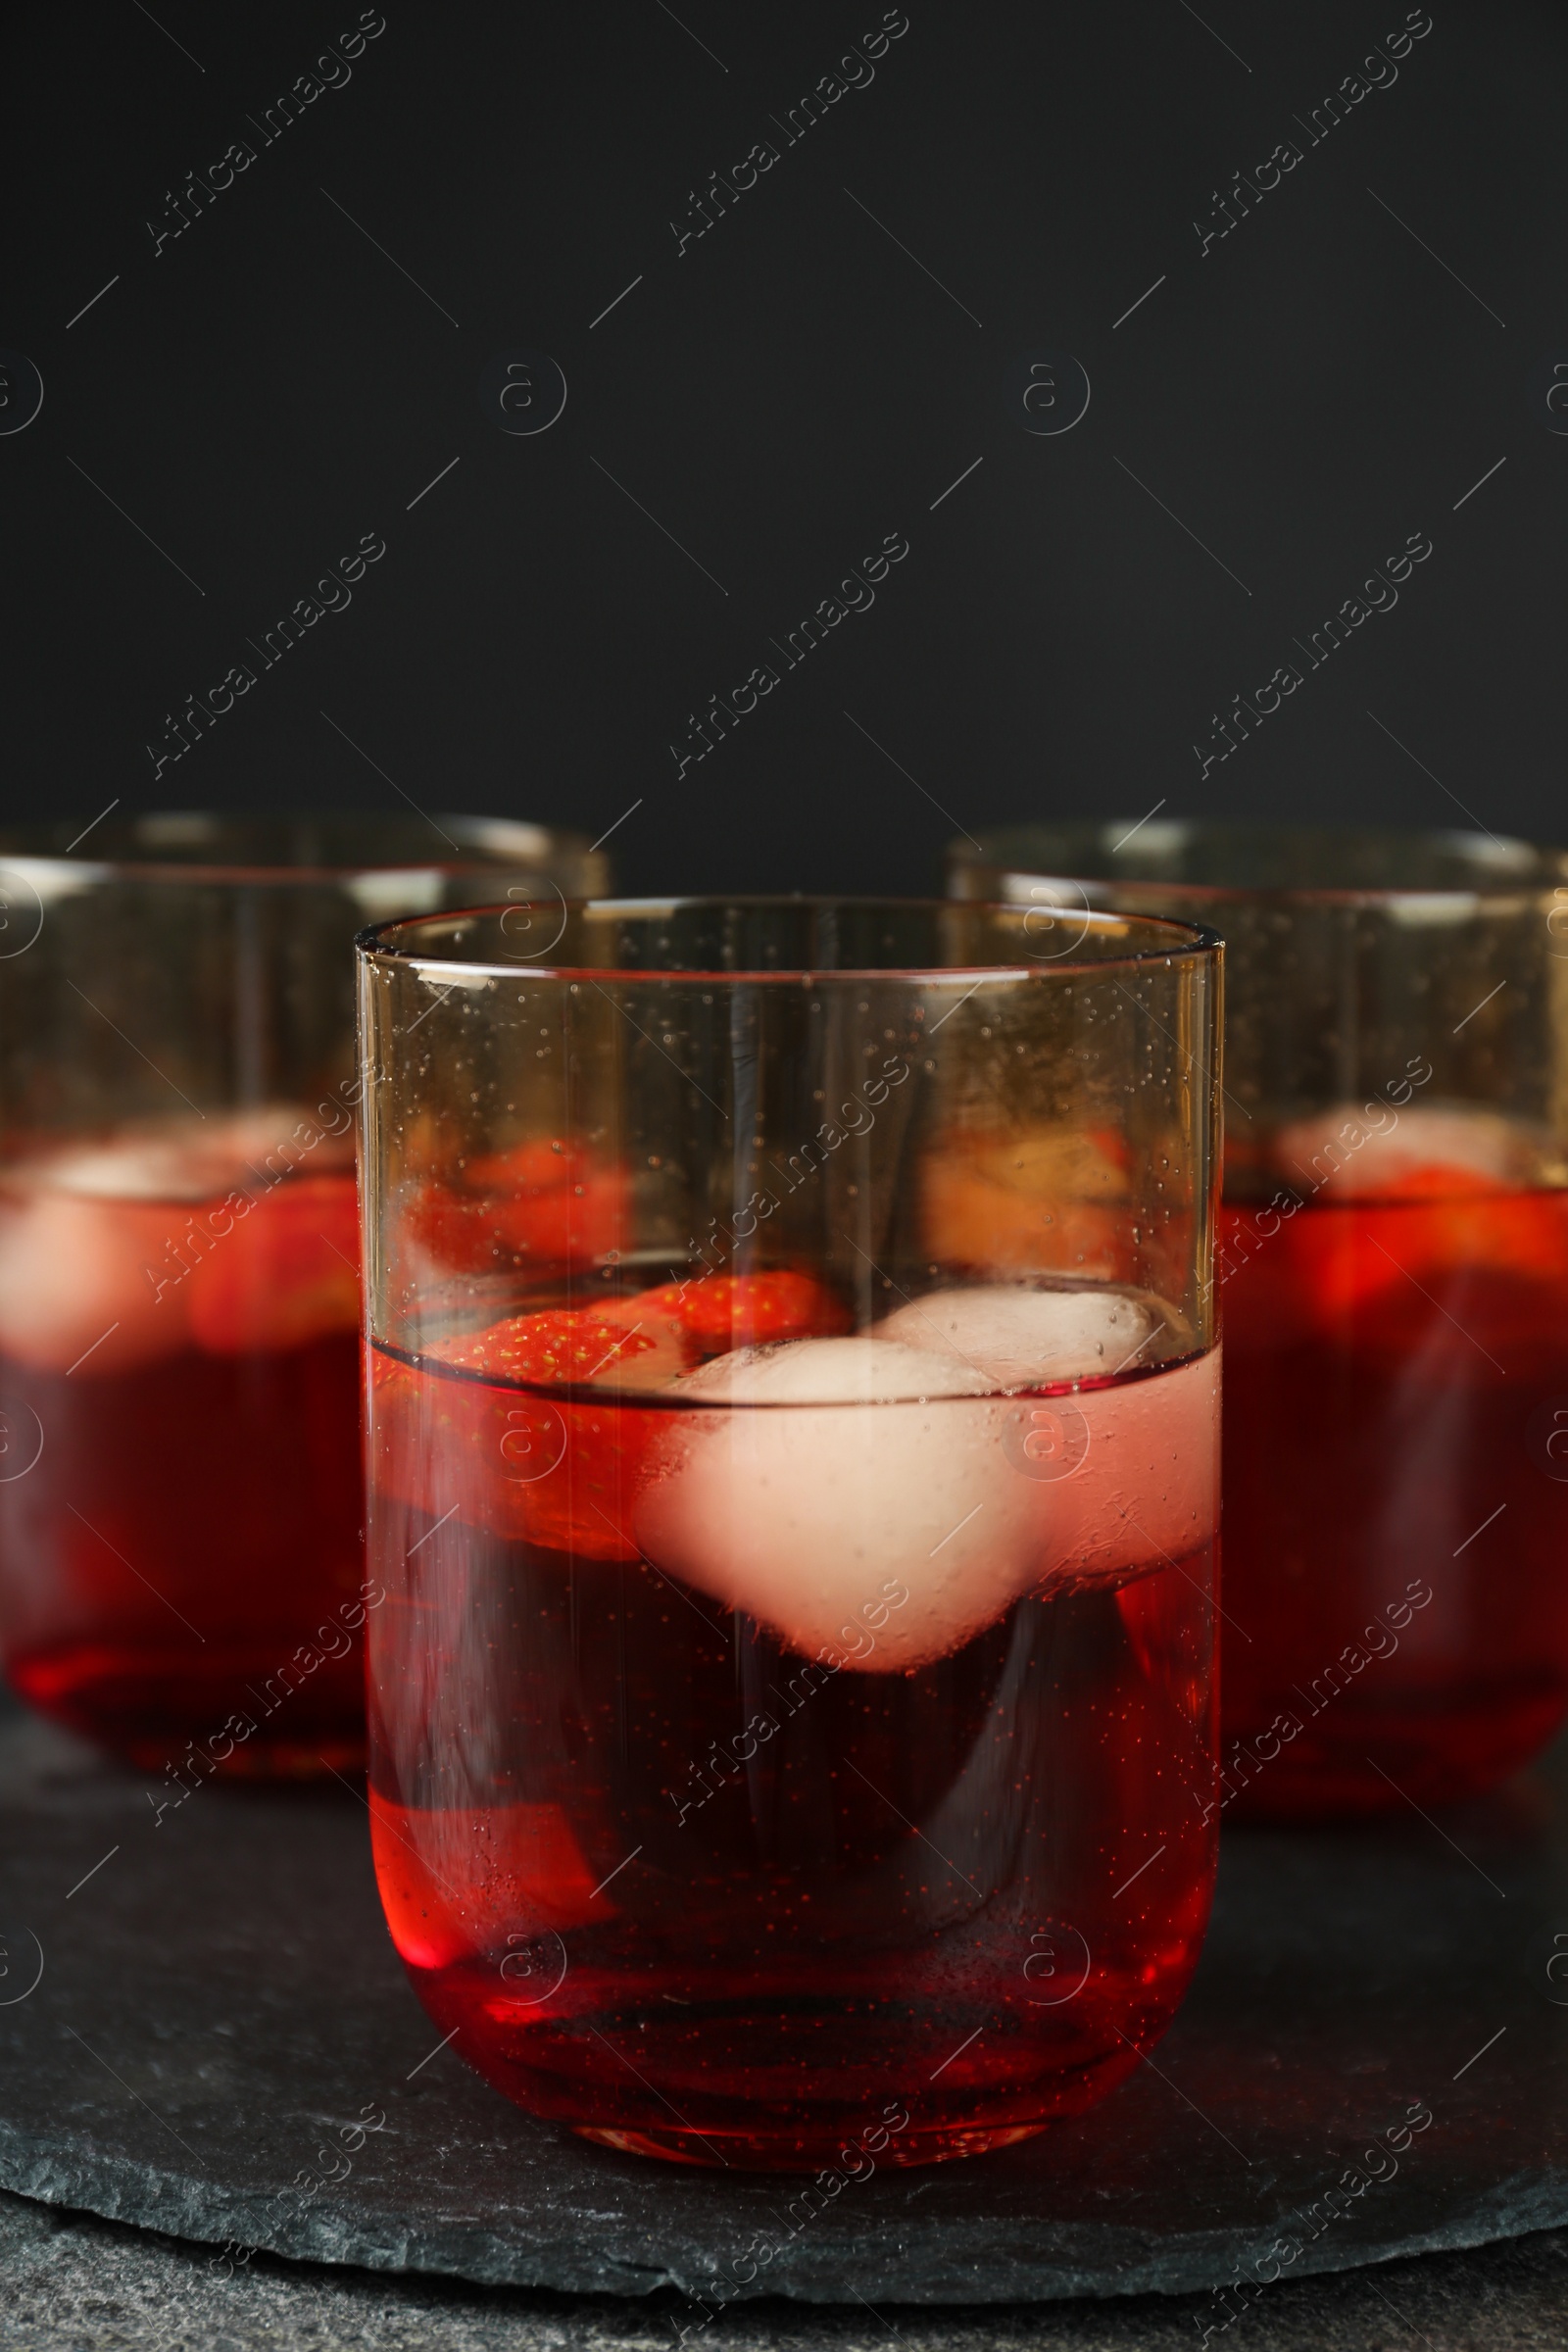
792	1736
181	1490
1395	1276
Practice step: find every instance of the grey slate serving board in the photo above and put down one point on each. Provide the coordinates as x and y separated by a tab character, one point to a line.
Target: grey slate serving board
218	1997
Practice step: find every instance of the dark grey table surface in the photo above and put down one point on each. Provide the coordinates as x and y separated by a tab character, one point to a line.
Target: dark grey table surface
209	1989
70	2282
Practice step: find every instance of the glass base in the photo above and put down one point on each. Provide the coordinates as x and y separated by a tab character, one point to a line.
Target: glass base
1362	1761
800	2152
191	1721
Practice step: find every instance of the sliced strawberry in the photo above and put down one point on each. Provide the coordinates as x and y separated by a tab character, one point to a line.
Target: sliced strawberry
539	1204
288	1271
742	1310
561	1475
565	1344
1417	1230
514	1864
564	1475
1396	1276
715	1312
1046	1199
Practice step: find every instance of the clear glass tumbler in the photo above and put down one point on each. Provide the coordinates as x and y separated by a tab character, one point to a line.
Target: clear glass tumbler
1395	1272
181	1493
791	1733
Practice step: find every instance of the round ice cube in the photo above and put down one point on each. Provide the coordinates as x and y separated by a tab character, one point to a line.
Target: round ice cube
817	1480
89	1236
1370	1150
1020	1338
73	1284
1127	1474
191	1159
868	1370
807	1482
1147	1490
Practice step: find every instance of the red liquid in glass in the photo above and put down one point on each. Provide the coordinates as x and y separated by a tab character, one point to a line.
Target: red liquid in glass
197	1527
674	1885
1392	1371
181	1511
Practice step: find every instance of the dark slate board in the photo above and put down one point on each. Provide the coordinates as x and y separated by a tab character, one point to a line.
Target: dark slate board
220	1995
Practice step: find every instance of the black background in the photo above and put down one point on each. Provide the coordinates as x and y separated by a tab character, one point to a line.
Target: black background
782	395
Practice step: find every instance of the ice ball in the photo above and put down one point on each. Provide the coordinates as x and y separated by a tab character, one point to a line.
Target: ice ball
1128	1472
89	1236
1020	1338
812	1481
1369	1152
73	1281
1147	1489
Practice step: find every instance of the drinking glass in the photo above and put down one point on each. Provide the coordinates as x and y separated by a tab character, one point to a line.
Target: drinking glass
792	1735
181	1495
1395	1274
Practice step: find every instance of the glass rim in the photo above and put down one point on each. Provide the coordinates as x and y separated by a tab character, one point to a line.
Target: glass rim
1539	869
384	943
1306	894
492	842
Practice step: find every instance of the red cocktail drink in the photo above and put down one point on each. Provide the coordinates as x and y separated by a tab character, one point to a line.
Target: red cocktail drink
933	1808
1396	1520
791	1713
182	1529
182	1481
1394	1278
